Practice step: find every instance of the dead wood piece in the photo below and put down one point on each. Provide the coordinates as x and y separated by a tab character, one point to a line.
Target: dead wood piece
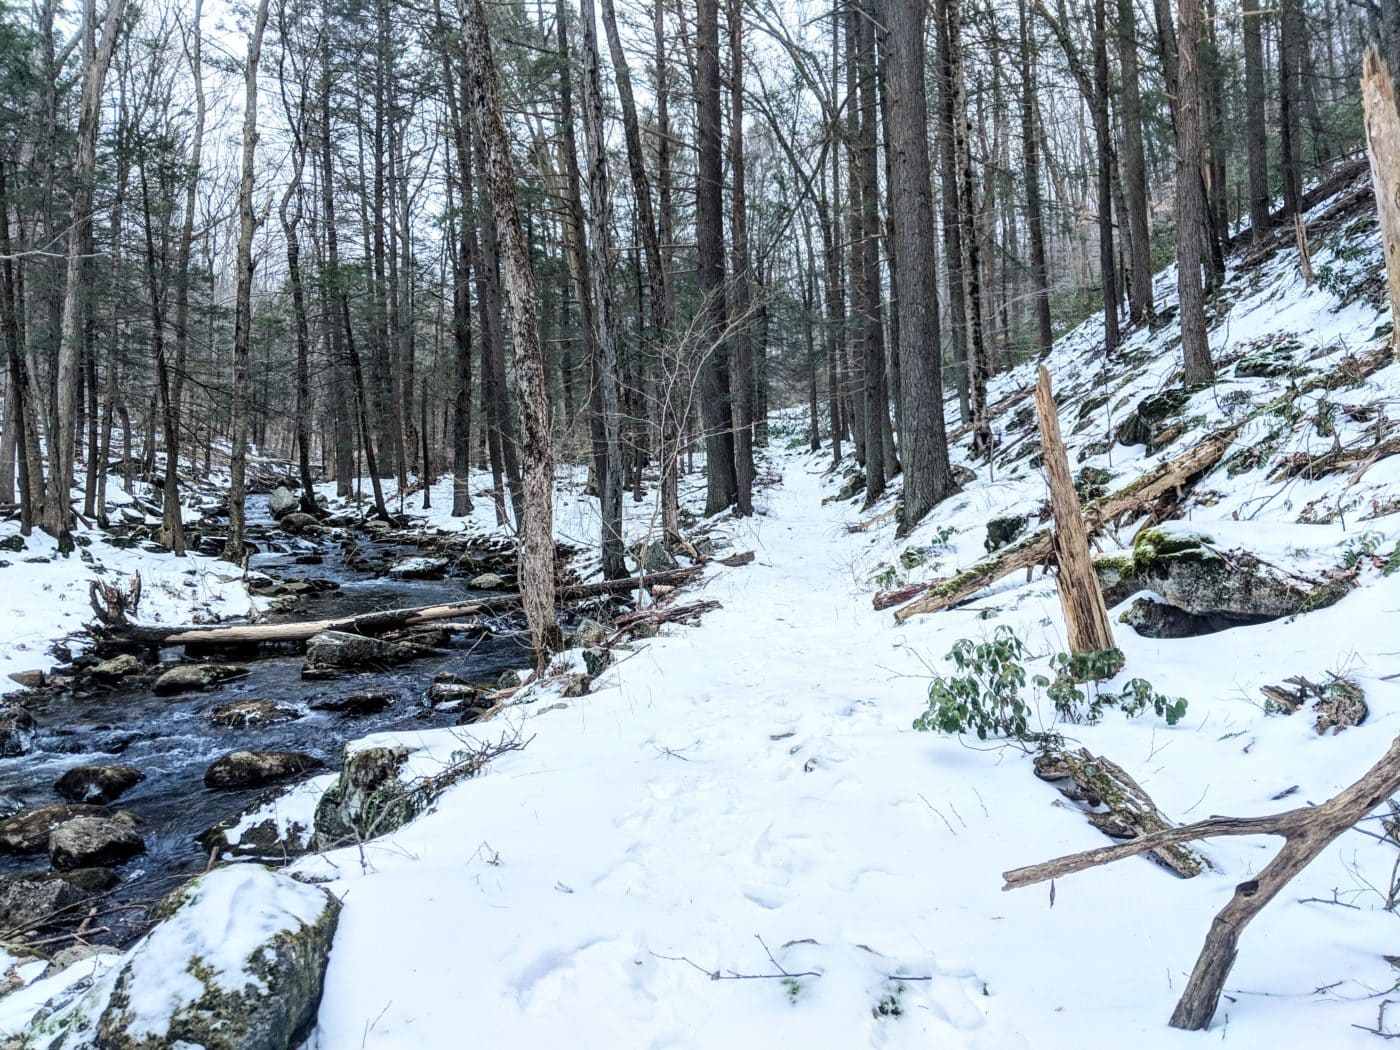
1383	149
1167	479
870	523
1306	832
899	595
735	560
1120	808
1086	617
1310	466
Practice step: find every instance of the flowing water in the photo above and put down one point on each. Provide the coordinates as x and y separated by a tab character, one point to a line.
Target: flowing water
172	741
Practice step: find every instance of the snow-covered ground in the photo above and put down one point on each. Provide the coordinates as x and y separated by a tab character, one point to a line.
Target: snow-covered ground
754	785
44	594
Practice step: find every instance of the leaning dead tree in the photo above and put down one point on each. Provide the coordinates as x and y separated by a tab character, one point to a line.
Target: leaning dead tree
1383	144
1306	832
1086	616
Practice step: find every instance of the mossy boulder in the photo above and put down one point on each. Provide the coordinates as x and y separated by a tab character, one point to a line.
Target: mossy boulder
1226	588
240	770
1143	422
333	653
236	961
369	799
1004	530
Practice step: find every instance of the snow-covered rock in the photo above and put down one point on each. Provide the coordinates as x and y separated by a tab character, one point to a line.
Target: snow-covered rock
281	501
235	962
419	569
274	828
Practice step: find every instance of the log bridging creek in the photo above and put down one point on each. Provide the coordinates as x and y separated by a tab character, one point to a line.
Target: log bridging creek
377	622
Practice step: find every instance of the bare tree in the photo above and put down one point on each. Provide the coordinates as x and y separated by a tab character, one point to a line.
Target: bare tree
537	527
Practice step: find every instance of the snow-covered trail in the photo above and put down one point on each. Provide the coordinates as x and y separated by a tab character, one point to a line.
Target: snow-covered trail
752	786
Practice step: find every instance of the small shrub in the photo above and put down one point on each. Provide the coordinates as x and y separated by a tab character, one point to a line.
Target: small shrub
984	696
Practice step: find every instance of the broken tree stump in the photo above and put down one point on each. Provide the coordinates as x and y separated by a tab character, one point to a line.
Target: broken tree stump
1086	616
1383	146
1306	832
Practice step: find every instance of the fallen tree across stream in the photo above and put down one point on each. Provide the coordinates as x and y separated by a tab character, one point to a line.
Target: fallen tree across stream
120	631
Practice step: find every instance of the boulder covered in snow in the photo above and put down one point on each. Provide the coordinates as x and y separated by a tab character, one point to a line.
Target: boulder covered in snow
367	799
487	581
251	769
419	569
236	961
281	501
186	677
94	842
276	828
98	784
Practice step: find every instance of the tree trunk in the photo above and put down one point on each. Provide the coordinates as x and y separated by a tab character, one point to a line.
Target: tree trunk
923	445
537	526
243	296
715	396
1383	145
1035	218
1134	164
97	56
600	251
1190	198
743	329
1256	132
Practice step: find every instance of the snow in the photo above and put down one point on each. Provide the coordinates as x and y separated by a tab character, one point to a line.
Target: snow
45	601
757	777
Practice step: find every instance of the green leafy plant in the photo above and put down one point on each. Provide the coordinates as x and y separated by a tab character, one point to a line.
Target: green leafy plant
984	696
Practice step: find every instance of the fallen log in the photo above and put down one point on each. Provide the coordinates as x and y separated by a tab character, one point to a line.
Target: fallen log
367	623
1171	477
1119	807
1306	832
